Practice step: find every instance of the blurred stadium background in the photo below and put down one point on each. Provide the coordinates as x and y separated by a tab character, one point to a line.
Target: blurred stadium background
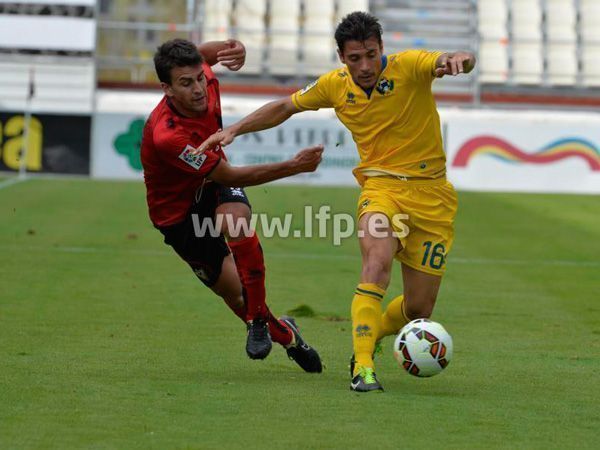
535	90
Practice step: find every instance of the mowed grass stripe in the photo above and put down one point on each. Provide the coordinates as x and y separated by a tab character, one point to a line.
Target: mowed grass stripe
123	348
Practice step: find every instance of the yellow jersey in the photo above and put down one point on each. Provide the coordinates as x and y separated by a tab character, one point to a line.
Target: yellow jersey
396	126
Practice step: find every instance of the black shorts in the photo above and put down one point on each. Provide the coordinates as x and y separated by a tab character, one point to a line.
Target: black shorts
204	254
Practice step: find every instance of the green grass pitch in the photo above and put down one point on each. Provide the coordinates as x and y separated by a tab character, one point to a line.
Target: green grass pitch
107	340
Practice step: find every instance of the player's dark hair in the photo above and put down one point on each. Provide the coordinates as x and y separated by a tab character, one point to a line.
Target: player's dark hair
357	26
175	53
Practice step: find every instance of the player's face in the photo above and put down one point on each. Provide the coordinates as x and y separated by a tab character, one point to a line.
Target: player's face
187	90
363	60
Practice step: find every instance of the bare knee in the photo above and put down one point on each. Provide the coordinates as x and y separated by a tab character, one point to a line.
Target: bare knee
377	270
235	222
228	285
232	295
420	292
419	307
420	310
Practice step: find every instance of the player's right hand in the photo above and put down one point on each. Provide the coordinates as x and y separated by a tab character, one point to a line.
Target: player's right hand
308	159
221	137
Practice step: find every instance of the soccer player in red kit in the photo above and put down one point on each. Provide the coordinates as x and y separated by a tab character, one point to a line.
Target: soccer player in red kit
184	189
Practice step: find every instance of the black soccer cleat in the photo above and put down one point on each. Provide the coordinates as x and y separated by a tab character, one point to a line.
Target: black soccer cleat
304	355
365	381
258	343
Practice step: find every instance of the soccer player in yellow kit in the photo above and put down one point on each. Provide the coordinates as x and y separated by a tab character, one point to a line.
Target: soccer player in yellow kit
406	207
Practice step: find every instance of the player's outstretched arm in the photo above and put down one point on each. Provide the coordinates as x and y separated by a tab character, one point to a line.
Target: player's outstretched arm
267	116
230	53
306	160
454	63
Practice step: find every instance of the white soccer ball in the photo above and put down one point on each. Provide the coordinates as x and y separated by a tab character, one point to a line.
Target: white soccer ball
423	348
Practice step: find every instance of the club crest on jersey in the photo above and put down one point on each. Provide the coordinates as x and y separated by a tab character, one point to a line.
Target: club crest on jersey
384	86
189	158
309	87
351	98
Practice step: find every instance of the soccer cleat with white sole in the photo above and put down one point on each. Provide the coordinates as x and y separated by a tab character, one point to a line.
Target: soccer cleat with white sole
304	355
365	381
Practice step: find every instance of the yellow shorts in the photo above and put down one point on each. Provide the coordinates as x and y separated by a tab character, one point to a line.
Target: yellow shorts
430	206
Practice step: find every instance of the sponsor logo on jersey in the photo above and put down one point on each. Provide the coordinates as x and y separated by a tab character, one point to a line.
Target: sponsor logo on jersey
191	159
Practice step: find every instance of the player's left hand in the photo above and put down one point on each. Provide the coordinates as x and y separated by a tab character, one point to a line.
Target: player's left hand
221	137
234	56
454	63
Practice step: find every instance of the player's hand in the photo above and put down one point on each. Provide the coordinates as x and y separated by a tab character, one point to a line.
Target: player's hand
234	56
454	63
221	137
308	159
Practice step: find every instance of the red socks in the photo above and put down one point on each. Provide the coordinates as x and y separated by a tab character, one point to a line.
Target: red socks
279	331
250	264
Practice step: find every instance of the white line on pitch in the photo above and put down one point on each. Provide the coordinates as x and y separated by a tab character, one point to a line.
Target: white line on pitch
11	181
305	255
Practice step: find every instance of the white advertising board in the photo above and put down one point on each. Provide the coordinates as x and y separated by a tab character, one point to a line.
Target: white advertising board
47	33
522	153
487	150
116	139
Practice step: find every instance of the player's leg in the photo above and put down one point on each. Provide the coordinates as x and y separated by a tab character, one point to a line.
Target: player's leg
235	212
420	292
432	210
234	208
229	288
234	218
378	245
209	256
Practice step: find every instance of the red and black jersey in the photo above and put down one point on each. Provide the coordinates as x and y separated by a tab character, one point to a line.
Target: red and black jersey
171	173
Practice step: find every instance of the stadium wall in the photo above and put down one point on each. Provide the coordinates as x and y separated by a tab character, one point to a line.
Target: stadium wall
499	150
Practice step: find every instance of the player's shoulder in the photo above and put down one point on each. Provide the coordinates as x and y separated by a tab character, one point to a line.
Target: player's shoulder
162	123
332	81
327	84
337	77
409	54
405	61
334	77
400	59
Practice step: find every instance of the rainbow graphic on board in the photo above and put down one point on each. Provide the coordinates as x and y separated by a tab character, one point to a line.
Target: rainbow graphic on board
503	150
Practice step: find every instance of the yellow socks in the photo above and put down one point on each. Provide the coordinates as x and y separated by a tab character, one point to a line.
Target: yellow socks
394	318
366	322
